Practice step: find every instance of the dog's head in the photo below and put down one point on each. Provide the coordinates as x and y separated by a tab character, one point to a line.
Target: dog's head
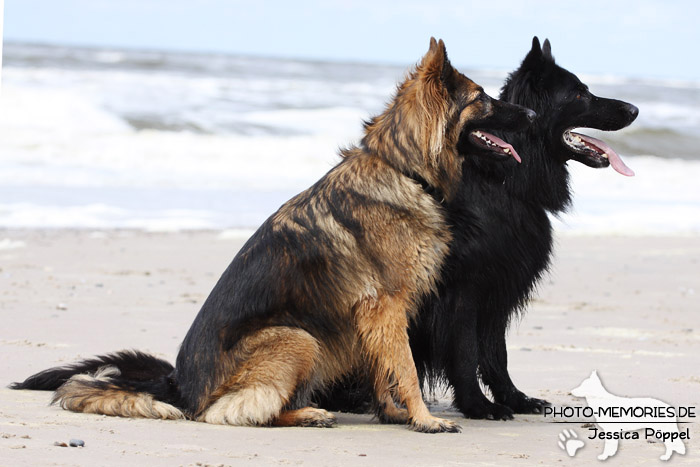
463	109
563	103
420	129
494	115
479	112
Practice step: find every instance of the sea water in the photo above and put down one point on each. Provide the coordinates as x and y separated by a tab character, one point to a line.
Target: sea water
95	138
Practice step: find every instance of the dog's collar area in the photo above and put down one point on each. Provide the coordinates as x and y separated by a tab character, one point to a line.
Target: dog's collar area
427	187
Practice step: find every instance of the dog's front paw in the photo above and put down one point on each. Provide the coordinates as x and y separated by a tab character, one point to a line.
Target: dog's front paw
532	405
435	425
487	411
520	403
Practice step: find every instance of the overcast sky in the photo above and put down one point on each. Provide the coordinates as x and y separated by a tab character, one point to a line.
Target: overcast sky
640	38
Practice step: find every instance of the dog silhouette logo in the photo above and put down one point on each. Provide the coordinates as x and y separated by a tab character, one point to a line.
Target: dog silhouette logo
620	417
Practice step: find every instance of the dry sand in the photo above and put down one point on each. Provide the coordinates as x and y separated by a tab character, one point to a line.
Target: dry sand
627	307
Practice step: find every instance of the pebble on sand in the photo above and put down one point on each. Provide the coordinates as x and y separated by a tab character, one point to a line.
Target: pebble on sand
76	443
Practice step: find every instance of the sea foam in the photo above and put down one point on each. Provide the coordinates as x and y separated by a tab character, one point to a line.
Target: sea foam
167	141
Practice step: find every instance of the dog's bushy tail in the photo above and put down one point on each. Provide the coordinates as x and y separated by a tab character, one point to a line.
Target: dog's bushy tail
132	364
126	384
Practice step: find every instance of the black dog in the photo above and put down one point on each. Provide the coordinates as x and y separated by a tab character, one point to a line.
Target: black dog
503	235
503	238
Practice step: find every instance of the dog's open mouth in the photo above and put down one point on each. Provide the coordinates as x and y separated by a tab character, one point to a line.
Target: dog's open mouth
596	149
493	143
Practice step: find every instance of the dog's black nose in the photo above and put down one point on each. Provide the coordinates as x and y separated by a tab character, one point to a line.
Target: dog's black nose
633	111
530	115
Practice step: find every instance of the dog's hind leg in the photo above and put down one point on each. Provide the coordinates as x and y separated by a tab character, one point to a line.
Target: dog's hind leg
493	365
308	416
388	411
297	411
382	327
272	364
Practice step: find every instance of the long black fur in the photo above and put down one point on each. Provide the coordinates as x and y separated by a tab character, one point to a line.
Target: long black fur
503	238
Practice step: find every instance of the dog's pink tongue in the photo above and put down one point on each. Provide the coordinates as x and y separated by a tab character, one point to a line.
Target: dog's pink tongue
503	144
613	157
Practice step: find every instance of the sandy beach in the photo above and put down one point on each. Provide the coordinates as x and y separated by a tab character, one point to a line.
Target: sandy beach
626	306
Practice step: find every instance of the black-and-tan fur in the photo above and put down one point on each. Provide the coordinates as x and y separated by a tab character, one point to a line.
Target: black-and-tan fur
325	287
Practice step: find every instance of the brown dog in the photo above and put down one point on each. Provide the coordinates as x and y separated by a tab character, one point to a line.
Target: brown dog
325	287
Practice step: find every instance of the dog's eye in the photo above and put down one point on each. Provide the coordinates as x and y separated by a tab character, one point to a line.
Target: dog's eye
578	96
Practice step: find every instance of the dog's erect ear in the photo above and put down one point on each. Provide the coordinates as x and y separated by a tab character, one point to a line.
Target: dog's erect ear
529	76
547	51
433	44
535	51
432	74
535	56
435	63
538	62
594	375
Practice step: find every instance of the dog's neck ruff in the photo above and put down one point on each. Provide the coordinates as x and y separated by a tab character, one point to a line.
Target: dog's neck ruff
427	187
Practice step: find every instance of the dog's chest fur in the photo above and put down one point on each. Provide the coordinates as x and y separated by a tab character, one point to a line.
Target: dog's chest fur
504	243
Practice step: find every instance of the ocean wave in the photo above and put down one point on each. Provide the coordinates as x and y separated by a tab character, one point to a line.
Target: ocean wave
667	143
115	138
